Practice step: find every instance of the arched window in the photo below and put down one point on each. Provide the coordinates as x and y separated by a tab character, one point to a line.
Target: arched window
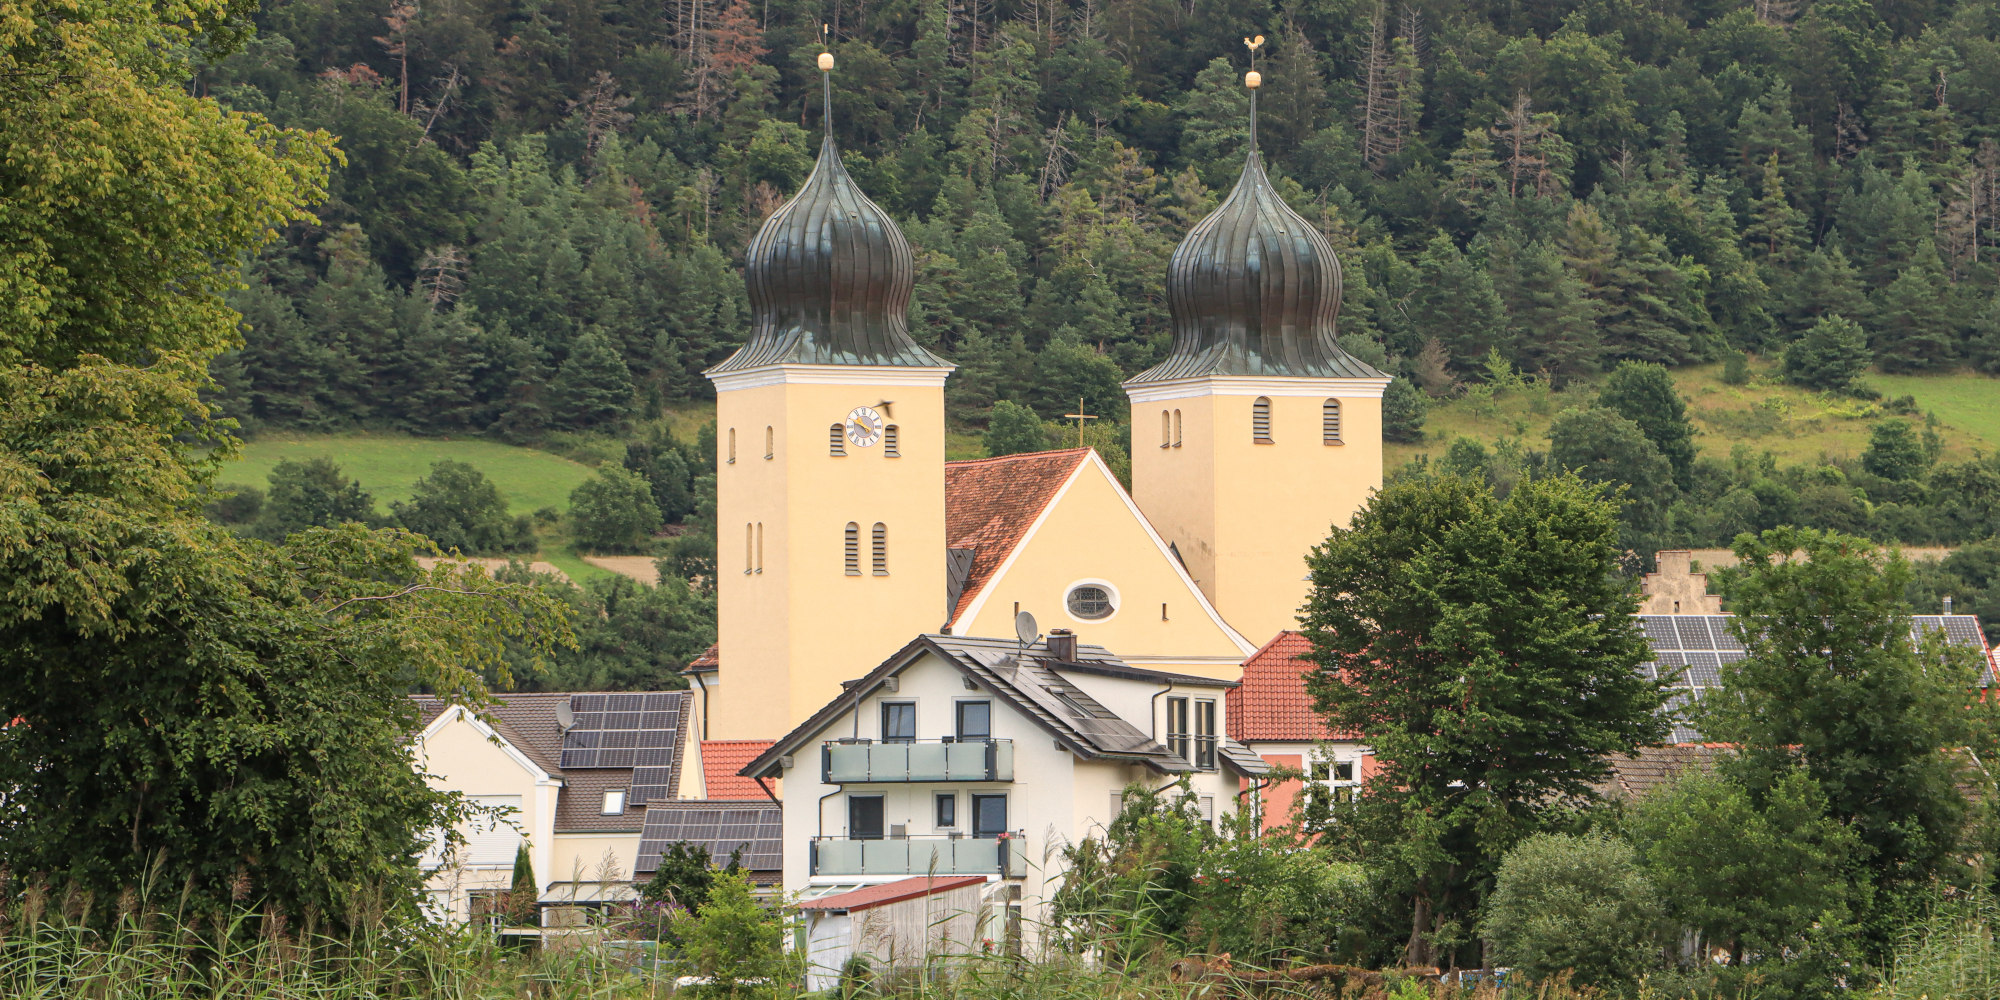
732	446
770	442
891	441
853	549
749	550
879	544
1177	428
1329	419
1260	420
836	440
1166	430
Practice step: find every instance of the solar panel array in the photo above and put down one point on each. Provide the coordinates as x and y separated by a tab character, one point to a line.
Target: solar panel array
623	730
1690	651
719	827
650	784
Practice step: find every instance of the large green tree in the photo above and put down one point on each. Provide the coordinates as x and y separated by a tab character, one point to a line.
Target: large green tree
1646	395
1488	650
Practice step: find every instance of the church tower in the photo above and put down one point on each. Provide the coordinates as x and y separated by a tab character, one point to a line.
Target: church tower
830	465
1257	434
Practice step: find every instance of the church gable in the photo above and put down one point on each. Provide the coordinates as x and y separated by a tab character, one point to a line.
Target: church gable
1056	533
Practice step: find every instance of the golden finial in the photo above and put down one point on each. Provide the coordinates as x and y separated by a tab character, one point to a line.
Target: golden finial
825	57
1253	79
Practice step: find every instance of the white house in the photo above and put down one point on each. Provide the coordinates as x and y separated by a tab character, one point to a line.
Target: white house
967	756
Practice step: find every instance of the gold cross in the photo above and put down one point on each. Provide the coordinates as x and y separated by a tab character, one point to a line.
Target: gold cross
1079	416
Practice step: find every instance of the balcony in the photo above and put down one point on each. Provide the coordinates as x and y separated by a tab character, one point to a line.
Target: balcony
857	761
1005	856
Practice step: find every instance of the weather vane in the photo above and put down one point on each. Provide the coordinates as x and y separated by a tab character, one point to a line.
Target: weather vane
1253	80
826	74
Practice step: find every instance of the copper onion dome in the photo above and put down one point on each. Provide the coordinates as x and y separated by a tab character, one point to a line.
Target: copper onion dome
829	277
1254	289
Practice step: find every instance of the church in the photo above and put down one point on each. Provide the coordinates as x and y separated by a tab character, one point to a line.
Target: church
867	645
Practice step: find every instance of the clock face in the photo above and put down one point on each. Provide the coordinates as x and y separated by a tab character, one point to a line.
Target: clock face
864	426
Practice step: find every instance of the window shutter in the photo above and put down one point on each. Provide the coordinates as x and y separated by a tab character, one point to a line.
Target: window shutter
1260	420
891	441
853	549
836	440
1330	421
879	539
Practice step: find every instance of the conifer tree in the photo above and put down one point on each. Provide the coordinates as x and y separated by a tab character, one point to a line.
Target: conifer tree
593	388
1646	395
1830	357
1911	319
1454	297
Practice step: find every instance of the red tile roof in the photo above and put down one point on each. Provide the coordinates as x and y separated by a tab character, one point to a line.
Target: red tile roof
1272	705
708	660
872	896
721	759
989	505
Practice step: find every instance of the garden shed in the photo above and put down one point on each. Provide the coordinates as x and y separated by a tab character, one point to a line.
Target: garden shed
893	925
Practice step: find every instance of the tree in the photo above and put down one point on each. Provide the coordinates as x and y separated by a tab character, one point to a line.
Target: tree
1914	328
310	494
686	876
1069	371
1895	452
1012	429
1830	357
593	388
1605	447
457	507
735	940
1763	877
1833	683
218	714
1404	407
1646	395
613	511
1455	297
1490	653
1580	905
128	200
524	893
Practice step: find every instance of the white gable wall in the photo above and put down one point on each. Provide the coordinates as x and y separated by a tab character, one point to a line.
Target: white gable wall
462	754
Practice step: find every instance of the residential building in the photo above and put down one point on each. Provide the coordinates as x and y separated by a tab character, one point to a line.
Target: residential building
1271	712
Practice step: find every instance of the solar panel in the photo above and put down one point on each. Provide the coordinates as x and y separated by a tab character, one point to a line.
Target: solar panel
720	828
650	784
623	730
1694	633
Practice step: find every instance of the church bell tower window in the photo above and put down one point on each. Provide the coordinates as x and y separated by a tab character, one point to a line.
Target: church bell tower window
1260	420
853	549
1330	421
879	547
836	441
891	442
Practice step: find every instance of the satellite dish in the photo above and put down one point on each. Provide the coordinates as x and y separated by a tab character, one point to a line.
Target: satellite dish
565	716
1025	628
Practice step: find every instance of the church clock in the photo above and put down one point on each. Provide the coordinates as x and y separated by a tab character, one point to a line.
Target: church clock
864	426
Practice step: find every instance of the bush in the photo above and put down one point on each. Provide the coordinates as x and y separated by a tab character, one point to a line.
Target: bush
234	504
613	512
457	507
1573	904
310	494
1736	368
735	941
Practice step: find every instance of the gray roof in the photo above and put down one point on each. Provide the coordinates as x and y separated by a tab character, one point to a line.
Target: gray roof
1034	686
527	721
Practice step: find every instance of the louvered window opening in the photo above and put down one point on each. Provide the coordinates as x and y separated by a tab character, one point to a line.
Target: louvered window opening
1330	421
879	546
836	441
891	441
853	549
1260	420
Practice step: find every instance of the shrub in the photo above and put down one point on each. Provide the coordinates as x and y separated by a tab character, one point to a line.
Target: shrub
1736	368
613	512
735	941
1573	904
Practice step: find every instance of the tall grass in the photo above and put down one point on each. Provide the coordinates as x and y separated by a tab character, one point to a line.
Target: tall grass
1950	955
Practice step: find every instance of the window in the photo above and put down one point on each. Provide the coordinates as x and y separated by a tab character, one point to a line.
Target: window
770	443
891	442
1329	419
836	440
749	547
878	544
614	802
899	722
853	546
1089	602
732	446
1177	727
1166	430
989	815
975	721
1260	420
1177	428
1333	781
1204	735
864	817
947	809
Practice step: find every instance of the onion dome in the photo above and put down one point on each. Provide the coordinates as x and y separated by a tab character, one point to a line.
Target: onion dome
1254	289
829	277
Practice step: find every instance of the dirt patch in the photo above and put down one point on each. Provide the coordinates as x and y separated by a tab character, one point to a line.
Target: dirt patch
641	568
495	564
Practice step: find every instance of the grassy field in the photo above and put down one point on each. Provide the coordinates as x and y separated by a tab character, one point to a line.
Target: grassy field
387	465
1793	424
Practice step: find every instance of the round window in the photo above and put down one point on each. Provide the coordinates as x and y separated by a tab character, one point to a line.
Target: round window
1090	602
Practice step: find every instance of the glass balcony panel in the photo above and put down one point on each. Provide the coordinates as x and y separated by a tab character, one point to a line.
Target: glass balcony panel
920	856
847	762
934	761
928	761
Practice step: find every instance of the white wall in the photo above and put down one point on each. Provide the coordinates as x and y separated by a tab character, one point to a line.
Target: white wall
461	754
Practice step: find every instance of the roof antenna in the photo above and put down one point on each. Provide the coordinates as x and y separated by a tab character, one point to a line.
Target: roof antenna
1253	80
826	78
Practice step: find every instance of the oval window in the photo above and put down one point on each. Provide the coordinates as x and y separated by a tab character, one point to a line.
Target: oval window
1090	602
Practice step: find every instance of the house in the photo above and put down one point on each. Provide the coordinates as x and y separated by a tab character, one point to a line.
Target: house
1272	713
899	925
580	779
967	756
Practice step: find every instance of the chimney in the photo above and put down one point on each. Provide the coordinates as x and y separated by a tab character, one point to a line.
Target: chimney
1062	645
1947	604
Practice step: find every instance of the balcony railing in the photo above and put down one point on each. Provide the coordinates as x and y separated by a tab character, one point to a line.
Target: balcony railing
853	761
1005	855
